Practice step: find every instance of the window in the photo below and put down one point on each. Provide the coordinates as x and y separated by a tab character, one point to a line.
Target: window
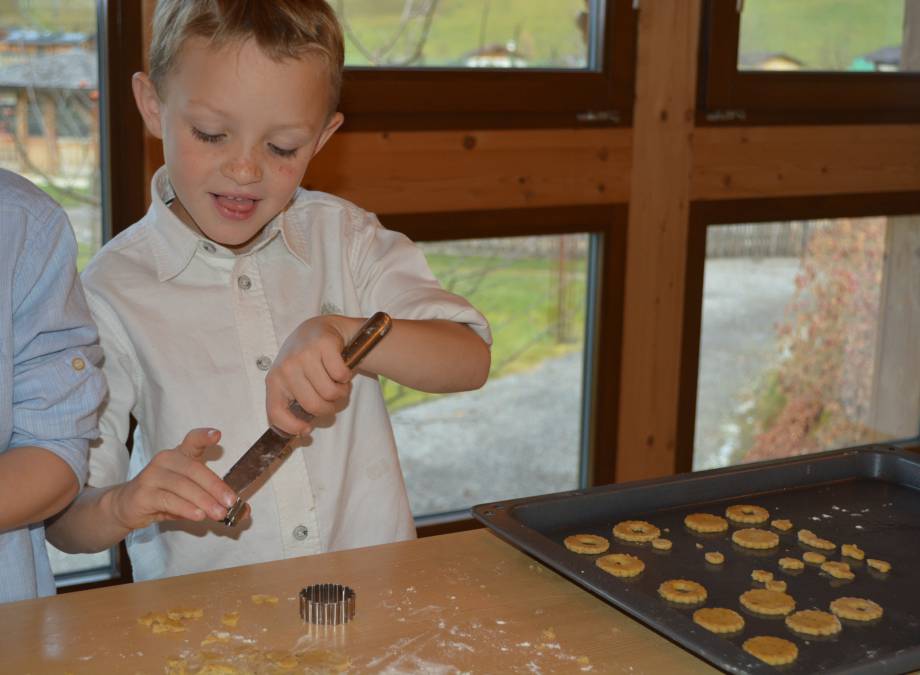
808	337
462	34
784	61
54	106
527	430
423	64
49	106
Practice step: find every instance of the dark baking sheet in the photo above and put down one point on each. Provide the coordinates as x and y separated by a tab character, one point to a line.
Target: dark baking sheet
867	496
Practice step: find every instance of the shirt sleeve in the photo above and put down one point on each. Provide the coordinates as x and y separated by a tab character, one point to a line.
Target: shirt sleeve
392	275
109	457
57	385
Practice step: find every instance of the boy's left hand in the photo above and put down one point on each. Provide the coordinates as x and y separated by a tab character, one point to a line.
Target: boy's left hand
309	369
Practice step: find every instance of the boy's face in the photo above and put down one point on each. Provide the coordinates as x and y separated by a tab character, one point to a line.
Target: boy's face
238	130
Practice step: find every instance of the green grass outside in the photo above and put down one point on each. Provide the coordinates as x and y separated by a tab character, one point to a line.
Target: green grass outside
55	15
544	30
519	298
824	34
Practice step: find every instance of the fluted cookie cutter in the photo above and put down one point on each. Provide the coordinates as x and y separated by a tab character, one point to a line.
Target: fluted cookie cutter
327	604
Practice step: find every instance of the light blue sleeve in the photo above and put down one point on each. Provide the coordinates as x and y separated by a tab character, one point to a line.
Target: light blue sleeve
57	384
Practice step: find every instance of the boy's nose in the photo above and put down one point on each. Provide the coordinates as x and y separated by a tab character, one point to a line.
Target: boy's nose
242	170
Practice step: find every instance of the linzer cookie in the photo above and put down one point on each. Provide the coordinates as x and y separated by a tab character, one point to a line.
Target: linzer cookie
586	543
638	531
620	564
682	591
747	513
856	609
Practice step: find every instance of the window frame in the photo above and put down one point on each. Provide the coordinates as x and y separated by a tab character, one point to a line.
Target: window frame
704	214
603	334
120	44
375	99
731	96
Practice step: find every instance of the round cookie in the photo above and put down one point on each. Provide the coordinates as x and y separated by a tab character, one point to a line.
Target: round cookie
706	523
638	531
879	565
856	609
620	564
761	575
781	524
775	585
852	551
791	563
764	601
838	570
752	537
661	544
747	513
771	650
586	543
714	557
682	591
813	622
719	619
813	558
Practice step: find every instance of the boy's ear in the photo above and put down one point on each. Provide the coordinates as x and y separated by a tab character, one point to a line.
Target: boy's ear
335	121
148	103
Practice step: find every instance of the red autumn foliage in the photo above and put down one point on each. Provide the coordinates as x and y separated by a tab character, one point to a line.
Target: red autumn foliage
827	344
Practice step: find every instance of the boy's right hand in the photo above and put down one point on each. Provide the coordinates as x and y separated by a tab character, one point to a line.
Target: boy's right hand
175	485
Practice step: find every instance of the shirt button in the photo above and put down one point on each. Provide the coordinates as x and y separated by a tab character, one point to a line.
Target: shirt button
301	532
208	246
263	363
78	364
244	282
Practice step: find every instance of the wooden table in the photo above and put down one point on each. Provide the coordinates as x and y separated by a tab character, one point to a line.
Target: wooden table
465	602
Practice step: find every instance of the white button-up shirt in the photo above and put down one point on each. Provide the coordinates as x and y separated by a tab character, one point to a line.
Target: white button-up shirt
189	328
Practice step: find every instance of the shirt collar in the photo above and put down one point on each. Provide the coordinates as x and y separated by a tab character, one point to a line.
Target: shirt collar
176	244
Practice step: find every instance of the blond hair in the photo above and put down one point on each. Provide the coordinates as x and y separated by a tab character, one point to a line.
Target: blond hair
281	28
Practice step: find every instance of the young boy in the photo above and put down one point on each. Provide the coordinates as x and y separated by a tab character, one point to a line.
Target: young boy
235	295
50	386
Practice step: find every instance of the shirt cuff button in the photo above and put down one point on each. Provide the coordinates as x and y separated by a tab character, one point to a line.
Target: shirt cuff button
78	364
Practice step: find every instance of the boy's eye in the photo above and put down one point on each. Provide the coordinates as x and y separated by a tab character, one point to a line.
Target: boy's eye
282	152
207	138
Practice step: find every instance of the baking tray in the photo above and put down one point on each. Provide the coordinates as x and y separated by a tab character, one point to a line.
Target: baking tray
869	496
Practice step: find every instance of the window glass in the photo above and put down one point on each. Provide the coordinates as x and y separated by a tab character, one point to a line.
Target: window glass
49	131
466	34
808	338
521	433
830	35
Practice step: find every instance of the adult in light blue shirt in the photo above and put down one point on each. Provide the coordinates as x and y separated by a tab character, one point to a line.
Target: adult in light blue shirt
50	385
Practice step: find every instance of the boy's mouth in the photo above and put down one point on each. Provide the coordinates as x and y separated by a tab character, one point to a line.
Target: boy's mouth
235	207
